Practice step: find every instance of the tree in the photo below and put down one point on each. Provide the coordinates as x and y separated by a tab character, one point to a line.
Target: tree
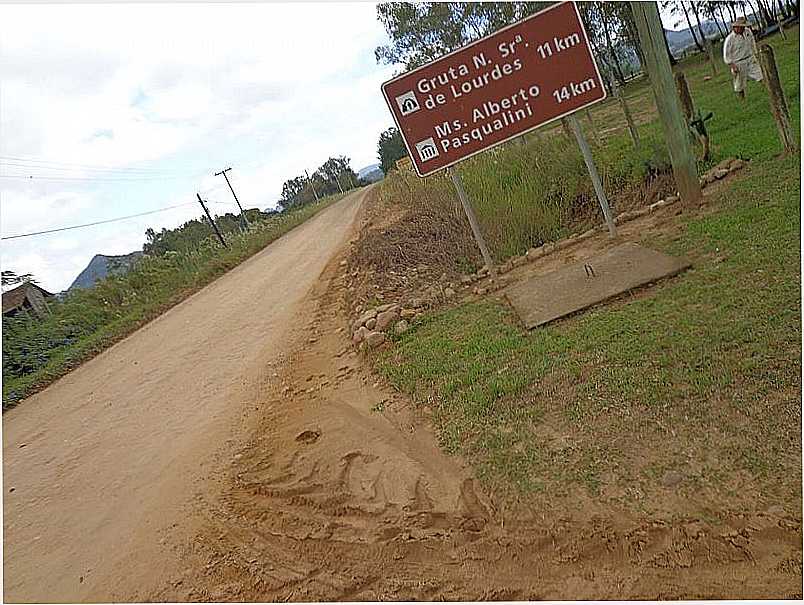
423	31
390	148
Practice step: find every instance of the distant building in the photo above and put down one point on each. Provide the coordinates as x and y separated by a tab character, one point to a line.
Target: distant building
26	297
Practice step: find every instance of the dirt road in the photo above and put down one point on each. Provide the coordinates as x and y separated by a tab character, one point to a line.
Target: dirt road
97	466
238	449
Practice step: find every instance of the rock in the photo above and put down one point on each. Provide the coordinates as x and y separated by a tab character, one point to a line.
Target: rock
364	318
417	302
624	217
482	291
548	248
343	263
449	292
723	165
385	307
504	268
407	313
737	164
375	339
371	323
360	335
385	319
401	327
534	253
467	279
518	261
720	173
483	272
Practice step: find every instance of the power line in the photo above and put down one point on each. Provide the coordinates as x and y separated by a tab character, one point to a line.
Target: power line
111	220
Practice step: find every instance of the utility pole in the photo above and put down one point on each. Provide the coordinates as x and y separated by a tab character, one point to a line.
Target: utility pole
339	183
242	214
312	185
682	156
211	222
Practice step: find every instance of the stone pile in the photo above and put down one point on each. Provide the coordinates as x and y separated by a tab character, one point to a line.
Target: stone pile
370	330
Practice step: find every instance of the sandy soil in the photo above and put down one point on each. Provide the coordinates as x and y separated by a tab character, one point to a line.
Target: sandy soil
98	466
256	458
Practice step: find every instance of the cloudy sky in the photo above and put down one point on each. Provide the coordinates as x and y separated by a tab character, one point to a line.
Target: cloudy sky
115	110
111	110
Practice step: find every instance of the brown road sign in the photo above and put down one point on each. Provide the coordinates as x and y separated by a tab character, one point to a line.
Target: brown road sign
496	88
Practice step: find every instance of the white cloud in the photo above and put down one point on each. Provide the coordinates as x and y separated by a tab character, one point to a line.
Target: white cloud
185	90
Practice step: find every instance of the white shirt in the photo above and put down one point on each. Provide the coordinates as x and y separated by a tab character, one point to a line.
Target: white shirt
738	47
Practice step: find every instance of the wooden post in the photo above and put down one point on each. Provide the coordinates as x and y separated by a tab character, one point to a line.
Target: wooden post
590	166
778	103
211	222
627	112
696	126
470	214
684	96
682	157
711	54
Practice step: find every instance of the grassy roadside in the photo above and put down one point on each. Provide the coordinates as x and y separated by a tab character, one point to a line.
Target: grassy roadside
700	379
90	321
687	400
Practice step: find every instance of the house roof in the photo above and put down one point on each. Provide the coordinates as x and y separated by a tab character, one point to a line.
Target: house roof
14	298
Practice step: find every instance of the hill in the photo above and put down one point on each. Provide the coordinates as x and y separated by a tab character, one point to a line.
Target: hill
102	265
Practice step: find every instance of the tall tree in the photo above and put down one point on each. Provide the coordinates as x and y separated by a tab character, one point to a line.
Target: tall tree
390	148
422	31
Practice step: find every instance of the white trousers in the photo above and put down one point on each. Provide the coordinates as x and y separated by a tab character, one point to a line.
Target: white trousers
747	68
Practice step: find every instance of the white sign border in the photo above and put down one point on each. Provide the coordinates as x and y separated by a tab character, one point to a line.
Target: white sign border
479	40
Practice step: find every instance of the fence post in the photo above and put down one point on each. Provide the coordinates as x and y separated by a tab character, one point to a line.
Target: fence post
682	157
778	103
627	112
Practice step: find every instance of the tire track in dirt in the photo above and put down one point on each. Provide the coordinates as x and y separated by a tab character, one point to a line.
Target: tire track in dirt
340	493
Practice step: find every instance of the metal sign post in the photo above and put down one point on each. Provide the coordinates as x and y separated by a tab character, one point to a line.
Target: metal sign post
593	174
470	214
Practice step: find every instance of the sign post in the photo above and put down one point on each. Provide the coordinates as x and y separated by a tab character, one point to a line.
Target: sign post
575	125
497	88
470	214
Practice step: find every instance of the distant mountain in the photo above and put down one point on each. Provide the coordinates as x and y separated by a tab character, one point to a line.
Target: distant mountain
681	40
371	173
102	265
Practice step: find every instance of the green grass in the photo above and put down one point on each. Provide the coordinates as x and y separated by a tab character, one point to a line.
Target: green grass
701	375
37	352
526	195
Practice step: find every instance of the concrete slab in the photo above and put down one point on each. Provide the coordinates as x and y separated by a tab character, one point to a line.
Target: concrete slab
545	298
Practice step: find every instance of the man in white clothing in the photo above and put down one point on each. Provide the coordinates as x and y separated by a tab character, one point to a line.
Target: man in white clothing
739	52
